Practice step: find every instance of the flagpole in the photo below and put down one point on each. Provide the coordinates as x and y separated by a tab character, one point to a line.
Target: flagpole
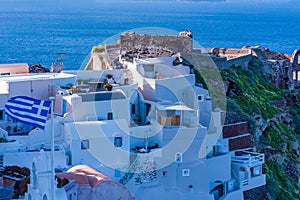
52	151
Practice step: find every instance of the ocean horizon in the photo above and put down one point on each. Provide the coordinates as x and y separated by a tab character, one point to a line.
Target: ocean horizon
35	33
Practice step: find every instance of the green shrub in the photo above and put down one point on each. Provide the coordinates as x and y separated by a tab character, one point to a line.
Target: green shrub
257	93
280	185
98	49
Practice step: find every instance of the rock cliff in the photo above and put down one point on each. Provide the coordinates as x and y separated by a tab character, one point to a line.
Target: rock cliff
274	120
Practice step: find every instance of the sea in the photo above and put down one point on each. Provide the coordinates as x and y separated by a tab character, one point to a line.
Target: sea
33	31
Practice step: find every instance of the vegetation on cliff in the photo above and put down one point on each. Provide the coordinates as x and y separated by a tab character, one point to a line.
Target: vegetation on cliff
251	96
255	94
274	120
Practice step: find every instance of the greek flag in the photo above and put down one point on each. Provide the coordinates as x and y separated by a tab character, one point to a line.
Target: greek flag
28	110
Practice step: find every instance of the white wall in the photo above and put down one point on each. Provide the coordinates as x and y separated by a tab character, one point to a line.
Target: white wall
188	141
61	81
3	100
128	89
96	74
9	147
25	159
173	71
217	171
98	109
204	106
198	177
175	181
140	133
40	89
4	87
170	89
20	88
101	143
38	137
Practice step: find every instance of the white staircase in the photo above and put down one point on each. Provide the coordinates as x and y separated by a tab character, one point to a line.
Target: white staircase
1	161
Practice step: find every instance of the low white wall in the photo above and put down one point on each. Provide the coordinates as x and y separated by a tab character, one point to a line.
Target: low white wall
25	159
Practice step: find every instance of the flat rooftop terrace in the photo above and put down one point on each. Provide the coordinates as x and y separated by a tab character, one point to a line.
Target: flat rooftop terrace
32	76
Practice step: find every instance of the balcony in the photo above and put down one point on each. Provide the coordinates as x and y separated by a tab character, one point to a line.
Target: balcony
247	169
250	159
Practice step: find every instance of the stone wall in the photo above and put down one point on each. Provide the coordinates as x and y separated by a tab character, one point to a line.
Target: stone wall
295	62
130	41
224	51
282	70
295	57
233	130
238	136
258	193
240	143
112	46
242	61
223	63
227	57
279	72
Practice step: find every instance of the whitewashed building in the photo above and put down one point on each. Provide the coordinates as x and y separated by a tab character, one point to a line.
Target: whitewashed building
155	133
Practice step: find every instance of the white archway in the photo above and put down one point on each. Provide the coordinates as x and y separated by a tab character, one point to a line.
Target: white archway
45	197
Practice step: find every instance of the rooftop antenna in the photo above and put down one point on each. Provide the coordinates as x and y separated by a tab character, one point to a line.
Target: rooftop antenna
58	64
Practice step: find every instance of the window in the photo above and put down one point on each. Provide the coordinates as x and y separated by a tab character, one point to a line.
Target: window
185	172
118	141
242	169
148	108
34	176
255	171
133	109
70	197
117	173
200	97
5	74
294	75
110	116
2	115
85	144
178	158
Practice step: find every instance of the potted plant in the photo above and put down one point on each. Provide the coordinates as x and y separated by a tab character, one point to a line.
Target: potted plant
108	86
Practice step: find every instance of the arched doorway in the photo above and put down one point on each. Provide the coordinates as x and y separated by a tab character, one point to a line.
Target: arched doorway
45	197
34	176
217	190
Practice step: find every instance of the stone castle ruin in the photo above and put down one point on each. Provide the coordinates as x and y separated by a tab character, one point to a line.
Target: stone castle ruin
295	61
132	45
226	57
144	45
282	69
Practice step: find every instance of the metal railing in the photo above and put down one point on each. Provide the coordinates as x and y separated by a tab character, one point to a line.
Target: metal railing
249	158
130	172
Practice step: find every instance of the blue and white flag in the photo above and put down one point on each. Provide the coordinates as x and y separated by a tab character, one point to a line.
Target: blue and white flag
28	110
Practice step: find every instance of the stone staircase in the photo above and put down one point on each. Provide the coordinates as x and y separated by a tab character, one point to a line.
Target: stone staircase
1	161
130	172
